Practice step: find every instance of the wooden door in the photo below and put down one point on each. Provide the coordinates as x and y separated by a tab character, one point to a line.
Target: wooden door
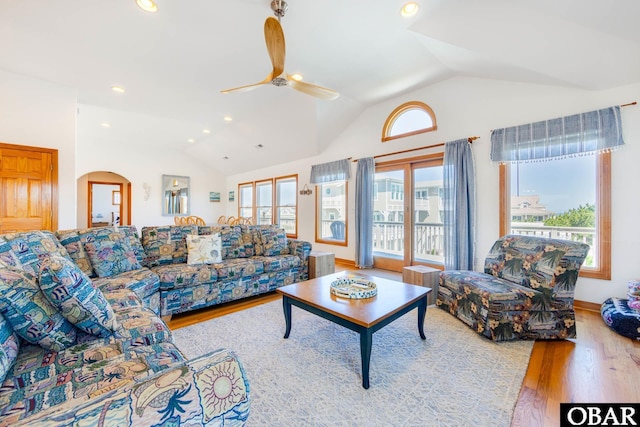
28	176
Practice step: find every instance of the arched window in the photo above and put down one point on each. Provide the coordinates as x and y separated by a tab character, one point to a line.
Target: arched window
410	118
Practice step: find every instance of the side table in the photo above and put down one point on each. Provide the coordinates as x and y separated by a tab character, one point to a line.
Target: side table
423	276
321	264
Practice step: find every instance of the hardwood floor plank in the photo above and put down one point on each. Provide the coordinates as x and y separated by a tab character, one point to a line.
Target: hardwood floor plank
598	366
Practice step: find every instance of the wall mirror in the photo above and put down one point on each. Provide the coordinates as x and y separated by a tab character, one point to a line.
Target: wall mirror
175	195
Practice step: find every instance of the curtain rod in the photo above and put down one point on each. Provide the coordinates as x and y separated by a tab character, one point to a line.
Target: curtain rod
470	139
628	104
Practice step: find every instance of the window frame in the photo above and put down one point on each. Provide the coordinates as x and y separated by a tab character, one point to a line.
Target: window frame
253	199
257	185
276	208
399	111
603	214
254	194
318	221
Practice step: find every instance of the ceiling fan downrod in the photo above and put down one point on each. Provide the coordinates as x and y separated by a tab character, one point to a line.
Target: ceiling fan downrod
279	8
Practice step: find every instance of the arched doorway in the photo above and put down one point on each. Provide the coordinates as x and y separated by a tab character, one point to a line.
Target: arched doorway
104	198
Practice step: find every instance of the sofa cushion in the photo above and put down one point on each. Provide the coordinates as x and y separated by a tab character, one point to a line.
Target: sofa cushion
233	245
25	307
238	268
274	241
111	257
177	276
488	292
123	299
204	249
9	346
278	263
26	249
74	241
167	244
71	292
70	239
43	379
525	260
143	282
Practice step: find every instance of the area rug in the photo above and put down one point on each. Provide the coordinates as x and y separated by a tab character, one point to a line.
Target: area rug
453	378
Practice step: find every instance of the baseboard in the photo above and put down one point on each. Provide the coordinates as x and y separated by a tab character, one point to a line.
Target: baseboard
589	306
346	263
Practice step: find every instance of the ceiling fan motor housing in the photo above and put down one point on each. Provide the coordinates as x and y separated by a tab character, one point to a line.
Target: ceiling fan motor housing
279	7
279	81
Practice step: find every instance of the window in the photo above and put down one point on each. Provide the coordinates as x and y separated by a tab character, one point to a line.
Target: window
264	202
409	230
271	201
410	118
565	198
331	214
245	200
286	203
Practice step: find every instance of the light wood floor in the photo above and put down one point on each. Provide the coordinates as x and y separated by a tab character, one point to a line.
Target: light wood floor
598	366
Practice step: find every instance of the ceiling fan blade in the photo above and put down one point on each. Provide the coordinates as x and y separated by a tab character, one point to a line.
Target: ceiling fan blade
313	90
274	37
249	87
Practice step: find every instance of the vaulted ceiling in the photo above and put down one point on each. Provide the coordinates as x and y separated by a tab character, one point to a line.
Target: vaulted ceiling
174	63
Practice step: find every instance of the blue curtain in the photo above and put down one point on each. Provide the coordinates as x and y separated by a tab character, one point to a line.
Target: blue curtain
591	132
340	170
364	212
459	205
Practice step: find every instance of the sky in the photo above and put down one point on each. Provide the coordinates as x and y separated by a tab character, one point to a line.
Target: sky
562	184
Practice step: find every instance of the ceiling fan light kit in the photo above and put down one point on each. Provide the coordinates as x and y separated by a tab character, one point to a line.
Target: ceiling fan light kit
274	38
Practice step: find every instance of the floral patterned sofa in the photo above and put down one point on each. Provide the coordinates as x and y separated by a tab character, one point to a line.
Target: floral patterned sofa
252	259
76	351
525	292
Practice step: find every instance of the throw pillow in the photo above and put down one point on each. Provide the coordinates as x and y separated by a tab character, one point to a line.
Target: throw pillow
204	249
73	294
111	257
30	314
9	346
274	241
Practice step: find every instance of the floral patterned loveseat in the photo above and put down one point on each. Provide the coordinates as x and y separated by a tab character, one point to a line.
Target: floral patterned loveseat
253	259
77	351
525	292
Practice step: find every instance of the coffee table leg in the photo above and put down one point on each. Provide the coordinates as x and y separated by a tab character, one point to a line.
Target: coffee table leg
366	337
286	306
422	312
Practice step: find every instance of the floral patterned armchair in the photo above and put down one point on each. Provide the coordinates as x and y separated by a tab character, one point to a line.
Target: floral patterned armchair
525	292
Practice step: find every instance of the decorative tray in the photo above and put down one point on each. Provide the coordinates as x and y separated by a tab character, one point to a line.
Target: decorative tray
353	287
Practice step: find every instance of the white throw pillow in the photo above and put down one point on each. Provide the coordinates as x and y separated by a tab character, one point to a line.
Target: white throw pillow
204	249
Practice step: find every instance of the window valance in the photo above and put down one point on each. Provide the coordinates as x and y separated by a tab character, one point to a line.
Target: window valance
340	170
591	132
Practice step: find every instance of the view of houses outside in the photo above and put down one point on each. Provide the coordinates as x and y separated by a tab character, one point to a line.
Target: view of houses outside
388	214
553	199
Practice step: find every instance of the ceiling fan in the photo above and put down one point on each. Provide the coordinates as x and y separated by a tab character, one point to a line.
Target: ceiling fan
274	37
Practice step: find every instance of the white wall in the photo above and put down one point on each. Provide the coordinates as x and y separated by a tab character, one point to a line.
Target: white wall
472	107
40	114
142	149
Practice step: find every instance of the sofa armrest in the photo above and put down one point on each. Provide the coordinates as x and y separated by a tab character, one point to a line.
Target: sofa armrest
209	390
302	249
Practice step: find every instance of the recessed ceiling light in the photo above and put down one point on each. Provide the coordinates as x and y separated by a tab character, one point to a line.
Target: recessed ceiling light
259	146
191	140
206	131
105	125
409	9
228	118
297	77
118	89
147	5
226	158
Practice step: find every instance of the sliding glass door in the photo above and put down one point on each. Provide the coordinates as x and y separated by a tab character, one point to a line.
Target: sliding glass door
407	213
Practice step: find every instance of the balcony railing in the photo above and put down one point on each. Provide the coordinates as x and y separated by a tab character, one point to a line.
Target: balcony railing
428	240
